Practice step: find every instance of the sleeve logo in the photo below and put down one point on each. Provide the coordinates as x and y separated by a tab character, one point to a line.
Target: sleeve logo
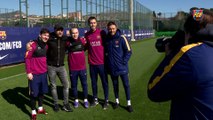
197	14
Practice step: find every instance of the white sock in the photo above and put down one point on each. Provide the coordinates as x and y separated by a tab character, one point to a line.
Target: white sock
128	102
96	99
33	112
117	100
40	108
76	100
85	100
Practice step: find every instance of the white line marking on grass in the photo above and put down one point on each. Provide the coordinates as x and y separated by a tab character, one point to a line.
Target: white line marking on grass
6	78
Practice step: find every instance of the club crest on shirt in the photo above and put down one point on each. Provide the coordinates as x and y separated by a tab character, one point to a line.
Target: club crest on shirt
197	14
116	43
98	37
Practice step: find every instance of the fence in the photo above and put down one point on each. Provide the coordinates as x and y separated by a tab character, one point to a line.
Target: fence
104	10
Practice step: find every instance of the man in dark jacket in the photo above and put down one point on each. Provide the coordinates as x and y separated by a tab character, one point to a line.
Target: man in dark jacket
118	52
55	61
186	78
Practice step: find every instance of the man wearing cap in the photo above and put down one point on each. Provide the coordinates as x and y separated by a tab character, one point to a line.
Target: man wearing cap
55	61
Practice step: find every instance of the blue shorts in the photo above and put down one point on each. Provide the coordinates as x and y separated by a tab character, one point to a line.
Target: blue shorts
38	85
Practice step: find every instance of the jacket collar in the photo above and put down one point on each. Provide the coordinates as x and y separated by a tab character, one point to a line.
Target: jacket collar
72	39
40	42
206	34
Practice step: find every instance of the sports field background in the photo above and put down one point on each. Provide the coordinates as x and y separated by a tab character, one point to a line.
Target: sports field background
14	101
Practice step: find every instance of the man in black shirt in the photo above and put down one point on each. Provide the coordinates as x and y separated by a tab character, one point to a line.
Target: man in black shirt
55	61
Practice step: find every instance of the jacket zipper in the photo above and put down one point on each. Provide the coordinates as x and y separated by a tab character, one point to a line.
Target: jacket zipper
58	61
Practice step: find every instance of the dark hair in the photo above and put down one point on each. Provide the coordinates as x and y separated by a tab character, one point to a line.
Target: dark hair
91	18
111	23
58	27
44	30
192	26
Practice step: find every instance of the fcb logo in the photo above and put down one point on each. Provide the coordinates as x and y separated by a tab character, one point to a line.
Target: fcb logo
3	35
197	14
98	37
116	42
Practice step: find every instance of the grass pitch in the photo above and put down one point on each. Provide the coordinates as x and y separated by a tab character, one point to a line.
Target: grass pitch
14	98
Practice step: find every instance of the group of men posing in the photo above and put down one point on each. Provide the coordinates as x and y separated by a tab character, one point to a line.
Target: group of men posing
107	54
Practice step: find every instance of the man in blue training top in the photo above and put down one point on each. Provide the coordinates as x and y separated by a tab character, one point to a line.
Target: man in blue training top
117	55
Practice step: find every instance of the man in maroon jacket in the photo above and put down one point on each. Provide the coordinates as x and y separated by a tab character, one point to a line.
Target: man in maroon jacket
77	65
36	69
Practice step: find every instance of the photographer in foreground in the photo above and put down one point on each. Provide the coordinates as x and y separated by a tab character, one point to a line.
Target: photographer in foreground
186	78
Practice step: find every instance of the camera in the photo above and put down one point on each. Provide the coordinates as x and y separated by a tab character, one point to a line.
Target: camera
161	43
174	43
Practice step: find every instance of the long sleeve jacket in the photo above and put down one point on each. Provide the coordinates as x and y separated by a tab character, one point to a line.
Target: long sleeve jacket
187	80
117	53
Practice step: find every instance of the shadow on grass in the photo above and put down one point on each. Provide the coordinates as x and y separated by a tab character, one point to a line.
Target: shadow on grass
18	96
48	97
